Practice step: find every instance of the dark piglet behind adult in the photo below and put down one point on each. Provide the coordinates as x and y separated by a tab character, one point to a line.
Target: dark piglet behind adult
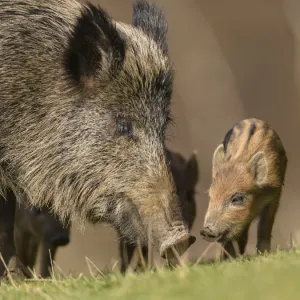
85	103
39	229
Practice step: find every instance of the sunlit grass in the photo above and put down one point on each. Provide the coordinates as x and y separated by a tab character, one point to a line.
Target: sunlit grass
274	276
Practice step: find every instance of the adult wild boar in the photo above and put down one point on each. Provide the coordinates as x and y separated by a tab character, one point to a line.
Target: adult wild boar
85	103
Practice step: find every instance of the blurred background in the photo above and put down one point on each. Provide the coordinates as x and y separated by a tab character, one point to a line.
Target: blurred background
234	59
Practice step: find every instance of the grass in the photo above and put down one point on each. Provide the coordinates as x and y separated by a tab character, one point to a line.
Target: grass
276	276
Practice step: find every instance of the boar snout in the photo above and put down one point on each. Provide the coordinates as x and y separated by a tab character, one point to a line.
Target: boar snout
180	246
60	239
209	233
179	240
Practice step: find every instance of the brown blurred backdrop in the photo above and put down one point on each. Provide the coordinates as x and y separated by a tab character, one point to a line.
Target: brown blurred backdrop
234	59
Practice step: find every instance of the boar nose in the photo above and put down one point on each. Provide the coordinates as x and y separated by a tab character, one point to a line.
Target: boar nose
60	239
208	233
180	244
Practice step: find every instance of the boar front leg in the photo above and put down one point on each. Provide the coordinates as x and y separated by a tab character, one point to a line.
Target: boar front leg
265	225
126	253
7	244
241	243
142	262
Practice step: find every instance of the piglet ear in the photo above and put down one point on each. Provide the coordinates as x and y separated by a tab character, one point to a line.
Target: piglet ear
258	166
192	170
95	48
218	159
150	18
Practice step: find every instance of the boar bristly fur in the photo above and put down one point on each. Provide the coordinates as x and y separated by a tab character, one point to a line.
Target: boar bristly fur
248	174
85	102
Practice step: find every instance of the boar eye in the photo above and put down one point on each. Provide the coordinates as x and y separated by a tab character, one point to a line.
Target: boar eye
238	199
124	127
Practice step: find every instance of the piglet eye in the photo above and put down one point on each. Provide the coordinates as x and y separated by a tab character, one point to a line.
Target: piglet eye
124	127
238	199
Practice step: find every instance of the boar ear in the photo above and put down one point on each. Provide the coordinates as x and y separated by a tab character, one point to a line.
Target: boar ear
192	170
218	159
150	18
95	48
258	166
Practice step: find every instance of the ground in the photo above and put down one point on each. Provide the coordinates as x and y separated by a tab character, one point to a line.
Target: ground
271	277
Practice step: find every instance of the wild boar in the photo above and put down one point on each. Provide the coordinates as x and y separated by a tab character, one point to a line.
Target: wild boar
85	103
186	176
247	178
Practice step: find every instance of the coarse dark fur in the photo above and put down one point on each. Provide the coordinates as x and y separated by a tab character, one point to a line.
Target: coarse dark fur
248	175
82	128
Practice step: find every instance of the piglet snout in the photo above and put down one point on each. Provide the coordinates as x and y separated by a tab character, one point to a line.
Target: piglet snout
209	234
